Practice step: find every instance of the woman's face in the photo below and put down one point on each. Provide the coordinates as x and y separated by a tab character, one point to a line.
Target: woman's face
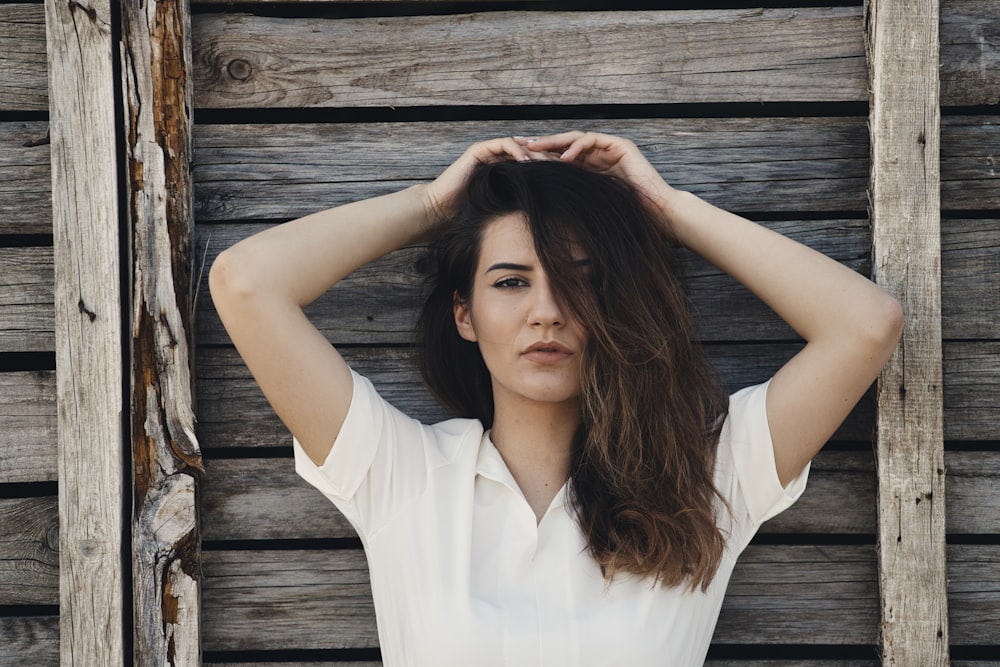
529	340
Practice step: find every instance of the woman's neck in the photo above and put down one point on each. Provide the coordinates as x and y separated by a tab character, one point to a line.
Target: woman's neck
535	441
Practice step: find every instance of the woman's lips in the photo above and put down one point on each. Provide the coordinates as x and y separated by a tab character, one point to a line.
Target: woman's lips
547	352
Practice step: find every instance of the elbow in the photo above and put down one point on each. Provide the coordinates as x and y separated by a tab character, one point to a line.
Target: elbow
228	279
885	327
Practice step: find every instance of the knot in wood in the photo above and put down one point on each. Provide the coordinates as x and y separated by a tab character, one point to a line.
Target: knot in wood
240	69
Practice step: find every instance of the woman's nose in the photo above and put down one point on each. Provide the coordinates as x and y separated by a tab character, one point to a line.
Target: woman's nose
545	307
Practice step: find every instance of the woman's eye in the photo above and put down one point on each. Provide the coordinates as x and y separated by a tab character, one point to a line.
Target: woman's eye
509	283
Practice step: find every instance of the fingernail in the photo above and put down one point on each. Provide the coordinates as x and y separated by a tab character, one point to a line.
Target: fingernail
532	140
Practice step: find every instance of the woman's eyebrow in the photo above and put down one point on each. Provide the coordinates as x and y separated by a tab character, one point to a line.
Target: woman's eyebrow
508	266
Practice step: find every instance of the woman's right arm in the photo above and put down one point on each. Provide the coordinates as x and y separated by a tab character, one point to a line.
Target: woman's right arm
261	284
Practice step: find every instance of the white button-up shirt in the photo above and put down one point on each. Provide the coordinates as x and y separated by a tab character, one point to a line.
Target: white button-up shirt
463	575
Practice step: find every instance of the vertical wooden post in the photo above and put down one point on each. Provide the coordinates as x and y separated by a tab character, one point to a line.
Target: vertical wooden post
156	55
902	39
88	329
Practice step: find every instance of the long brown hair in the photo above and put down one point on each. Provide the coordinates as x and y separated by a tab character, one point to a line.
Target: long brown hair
641	477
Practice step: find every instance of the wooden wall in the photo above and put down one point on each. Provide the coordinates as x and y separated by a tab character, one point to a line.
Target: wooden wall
305	105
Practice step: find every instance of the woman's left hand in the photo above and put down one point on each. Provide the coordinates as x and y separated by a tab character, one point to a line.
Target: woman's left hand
607	153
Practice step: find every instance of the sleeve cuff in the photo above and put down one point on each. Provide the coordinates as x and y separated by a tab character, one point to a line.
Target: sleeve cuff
753	456
350	458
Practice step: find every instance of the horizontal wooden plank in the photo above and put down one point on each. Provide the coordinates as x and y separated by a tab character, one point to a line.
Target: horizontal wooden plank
28	426
25	181
778	594
380	302
971	390
26	300
23	71
970	146
970	52
255	172
29	551
497	58
29	640
969	75
246	499
232	412
970	278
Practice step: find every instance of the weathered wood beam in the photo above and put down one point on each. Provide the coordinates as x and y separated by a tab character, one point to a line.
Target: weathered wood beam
85	228
499	58
902	42
781	594
166	547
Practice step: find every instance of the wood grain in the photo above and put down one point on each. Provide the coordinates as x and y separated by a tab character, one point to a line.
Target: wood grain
969	73
29	551
247	499
379	303
493	58
27	300
166	459
778	594
902	42
23	83
28	426
25	175
88	330
232	412
970	52
256	172
29	640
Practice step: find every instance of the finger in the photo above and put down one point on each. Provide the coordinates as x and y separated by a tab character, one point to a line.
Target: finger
554	142
586	143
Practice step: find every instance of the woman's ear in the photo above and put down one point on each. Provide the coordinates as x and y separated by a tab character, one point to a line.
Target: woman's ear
463	318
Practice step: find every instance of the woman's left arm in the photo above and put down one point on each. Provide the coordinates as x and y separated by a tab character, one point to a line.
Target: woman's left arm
851	326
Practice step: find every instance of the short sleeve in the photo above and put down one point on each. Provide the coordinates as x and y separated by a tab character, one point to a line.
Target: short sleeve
746	473
377	463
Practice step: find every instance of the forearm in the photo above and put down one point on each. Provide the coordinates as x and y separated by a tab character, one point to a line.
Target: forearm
299	260
817	296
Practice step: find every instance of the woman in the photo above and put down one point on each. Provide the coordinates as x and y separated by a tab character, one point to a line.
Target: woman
590	510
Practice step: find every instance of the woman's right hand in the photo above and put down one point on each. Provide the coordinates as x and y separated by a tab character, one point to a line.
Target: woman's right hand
442	193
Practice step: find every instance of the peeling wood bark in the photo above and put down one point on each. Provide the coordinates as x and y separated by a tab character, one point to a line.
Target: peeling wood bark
902	40
166	550
88	329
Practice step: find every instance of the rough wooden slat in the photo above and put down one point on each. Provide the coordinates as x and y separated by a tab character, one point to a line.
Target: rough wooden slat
29	551
783	594
972	390
748	164
497	58
970	279
26	300
246	499
264	499
380	302
902	42
23	86
778	594
970	52
970	149
232	412
88	329
25	180
166	459
29	640
28	426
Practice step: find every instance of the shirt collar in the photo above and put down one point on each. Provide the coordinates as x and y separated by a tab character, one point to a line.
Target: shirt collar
490	464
